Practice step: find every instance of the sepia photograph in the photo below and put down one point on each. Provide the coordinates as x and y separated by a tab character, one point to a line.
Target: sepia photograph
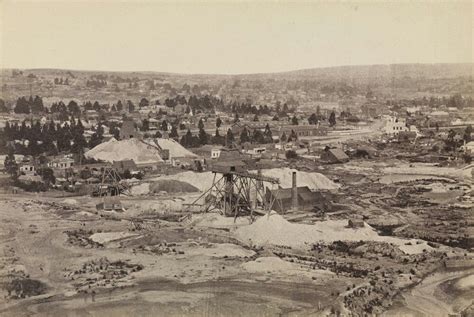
236	158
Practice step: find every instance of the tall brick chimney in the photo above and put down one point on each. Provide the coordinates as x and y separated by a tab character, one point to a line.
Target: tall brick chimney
294	193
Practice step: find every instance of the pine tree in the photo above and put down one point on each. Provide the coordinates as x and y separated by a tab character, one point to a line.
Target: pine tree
49	132
119	105
145	125
97	136
3	107
143	103
131	106
244	136
229	137
73	108
174	132
467	134
24	132
187	139
33	148
8	132
203	138
268	134
64	138
35	132
200	124
10	164
332	119
79	143
37	105
22	106
258	136
294	120
293	135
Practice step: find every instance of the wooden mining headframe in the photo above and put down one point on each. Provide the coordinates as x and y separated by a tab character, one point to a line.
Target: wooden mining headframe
233	192
110	182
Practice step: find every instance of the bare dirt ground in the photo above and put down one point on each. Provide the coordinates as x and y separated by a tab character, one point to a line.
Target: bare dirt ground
52	266
61	257
435	296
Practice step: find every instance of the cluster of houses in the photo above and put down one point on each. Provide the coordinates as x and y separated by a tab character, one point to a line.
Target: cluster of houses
398	127
29	168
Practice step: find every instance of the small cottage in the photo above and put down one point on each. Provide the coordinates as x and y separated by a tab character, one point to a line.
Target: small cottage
334	156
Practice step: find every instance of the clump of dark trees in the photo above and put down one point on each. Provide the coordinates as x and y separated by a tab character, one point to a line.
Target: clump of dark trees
202	138
49	138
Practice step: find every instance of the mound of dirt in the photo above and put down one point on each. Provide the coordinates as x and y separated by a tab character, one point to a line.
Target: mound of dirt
131	149
465	282
276	230
160	206
214	220
105	237
22	287
404	178
268	264
429	169
275	267
172	186
219	250
70	201
141	189
202	181
175	149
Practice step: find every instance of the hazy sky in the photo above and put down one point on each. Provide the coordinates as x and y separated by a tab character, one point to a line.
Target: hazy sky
231	37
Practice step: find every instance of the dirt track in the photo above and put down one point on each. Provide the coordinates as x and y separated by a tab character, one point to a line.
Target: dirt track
168	285
428	299
169	268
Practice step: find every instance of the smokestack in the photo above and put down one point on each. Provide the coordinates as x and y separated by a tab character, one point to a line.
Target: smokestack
294	193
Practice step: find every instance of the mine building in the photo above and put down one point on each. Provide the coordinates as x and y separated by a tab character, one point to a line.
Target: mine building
294	198
393	126
27	168
110	204
334	156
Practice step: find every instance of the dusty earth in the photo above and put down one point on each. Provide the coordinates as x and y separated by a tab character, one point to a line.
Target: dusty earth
59	256
52	266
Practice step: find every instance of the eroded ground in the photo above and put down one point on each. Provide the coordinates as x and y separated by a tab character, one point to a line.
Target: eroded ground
61	257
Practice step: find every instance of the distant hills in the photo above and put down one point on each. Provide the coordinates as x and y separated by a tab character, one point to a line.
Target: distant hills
343	72
387	71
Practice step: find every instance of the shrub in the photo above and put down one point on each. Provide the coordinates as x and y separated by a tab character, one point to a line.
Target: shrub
290	154
467	158
32	186
47	175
